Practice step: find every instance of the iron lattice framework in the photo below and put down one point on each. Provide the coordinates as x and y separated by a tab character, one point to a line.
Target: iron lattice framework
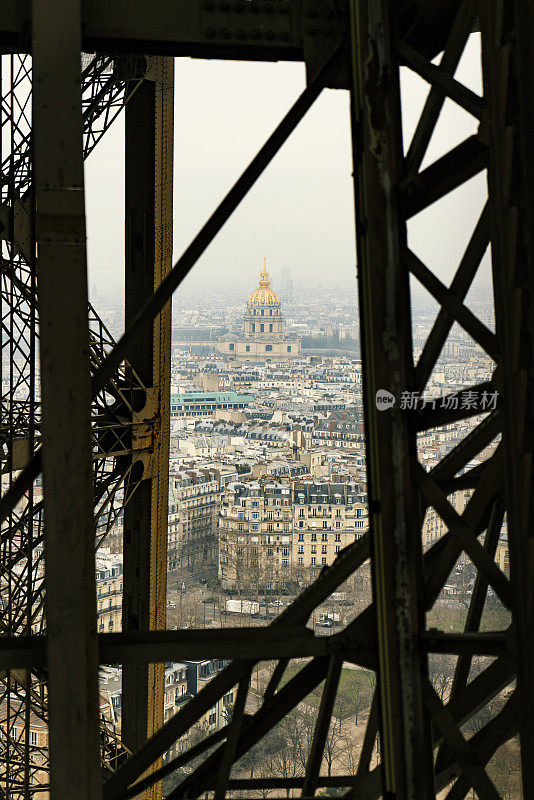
103	93
424	748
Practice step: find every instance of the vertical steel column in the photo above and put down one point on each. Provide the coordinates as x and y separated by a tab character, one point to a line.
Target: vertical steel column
387	364
149	146
65	391
508	73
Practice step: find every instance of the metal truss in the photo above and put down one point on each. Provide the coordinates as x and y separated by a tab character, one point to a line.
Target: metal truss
104	92
424	743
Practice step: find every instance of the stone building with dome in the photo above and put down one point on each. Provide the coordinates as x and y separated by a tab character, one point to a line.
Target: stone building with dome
263	336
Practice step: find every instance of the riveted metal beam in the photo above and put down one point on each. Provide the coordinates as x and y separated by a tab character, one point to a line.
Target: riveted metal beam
387	365
261	31
507	32
65	387
149	168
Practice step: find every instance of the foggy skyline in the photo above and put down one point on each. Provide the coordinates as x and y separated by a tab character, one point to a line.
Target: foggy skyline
300	214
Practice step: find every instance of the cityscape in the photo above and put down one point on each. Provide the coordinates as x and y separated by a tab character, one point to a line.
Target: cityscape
268	486
266	513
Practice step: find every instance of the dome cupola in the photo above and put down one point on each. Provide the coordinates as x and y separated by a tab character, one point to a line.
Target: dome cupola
264	296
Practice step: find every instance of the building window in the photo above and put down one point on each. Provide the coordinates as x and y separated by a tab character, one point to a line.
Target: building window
301	537
323	548
314	537
323	560
301	548
270	328
33	738
338	548
262	327
228	698
289	348
268	347
285	562
301	562
313	561
247	348
325	523
314	548
253	326
338	537
324	537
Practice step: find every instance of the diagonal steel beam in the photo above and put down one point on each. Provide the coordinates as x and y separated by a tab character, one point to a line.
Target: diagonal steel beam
441	79
467	269
322	725
459	33
461	750
465	536
456	310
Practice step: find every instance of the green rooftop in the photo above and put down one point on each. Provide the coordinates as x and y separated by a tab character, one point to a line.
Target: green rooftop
192	398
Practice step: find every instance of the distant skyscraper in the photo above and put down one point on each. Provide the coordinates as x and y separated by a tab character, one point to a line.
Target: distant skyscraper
289	291
285	277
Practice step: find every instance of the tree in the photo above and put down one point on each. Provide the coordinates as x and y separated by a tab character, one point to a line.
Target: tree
350	757
298	728
251	760
355	693
441	668
334	743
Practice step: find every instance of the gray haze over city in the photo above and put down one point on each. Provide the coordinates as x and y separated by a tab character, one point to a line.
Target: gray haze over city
300	215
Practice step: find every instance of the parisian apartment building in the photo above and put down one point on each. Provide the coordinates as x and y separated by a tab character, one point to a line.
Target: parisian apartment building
194	501
183	680
274	534
109	591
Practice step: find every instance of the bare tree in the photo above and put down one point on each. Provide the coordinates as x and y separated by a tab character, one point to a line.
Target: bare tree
334	743
350	757
441	669
357	697
298	729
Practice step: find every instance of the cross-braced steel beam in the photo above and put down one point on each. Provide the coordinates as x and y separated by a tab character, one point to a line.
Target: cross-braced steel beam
424	747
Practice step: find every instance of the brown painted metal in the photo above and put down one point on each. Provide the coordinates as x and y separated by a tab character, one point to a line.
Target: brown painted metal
149	162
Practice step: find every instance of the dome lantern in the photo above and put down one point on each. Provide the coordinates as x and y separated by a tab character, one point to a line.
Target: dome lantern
264	295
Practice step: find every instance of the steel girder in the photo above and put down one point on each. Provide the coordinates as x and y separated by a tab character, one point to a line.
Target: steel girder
423	745
103	95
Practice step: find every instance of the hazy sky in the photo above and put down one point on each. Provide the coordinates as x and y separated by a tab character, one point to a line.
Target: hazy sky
301	212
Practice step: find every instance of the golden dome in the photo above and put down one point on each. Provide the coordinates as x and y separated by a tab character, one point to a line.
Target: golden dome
264	295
